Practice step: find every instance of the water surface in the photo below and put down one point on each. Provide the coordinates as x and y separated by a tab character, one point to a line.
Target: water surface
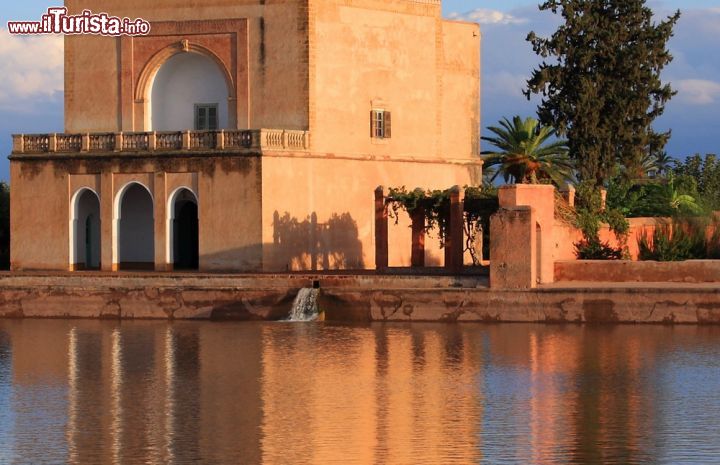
283	393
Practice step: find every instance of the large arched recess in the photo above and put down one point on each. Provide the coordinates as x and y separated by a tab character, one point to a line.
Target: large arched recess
85	230
134	226
177	78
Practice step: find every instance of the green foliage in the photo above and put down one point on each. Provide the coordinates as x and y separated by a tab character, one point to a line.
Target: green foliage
663	163
480	203
590	216
714	245
563	211
652	166
705	173
594	249
664	198
589	223
591	213
678	242
435	205
525	155
4	226
616	220
602	88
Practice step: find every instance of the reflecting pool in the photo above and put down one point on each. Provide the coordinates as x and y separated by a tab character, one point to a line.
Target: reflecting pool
312	393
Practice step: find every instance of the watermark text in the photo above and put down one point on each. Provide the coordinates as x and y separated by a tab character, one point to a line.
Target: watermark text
57	21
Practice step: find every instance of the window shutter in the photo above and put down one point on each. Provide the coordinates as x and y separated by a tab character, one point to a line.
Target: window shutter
212	118
373	124
200	118
388	125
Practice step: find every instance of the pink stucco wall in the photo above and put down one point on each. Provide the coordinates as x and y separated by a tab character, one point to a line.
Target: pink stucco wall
566	236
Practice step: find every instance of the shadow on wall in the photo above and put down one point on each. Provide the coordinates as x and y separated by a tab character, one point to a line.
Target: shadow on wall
309	245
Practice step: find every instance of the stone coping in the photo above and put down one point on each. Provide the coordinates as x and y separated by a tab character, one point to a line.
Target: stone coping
594	271
352	298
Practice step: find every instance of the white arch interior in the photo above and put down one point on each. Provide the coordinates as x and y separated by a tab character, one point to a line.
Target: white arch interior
182	82
170	242
85	229
134	226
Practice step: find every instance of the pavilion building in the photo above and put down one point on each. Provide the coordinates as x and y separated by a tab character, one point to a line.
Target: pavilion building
246	135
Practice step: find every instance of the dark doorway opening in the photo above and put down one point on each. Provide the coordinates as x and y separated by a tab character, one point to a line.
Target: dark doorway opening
185	232
86	229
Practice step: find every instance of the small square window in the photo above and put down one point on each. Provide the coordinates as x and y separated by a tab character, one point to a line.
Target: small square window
206	116
380	124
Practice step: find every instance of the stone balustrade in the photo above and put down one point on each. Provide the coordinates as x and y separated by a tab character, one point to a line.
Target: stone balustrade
227	140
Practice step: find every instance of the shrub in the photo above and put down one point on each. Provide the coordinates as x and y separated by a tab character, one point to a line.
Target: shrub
678	242
594	249
589	219
714	244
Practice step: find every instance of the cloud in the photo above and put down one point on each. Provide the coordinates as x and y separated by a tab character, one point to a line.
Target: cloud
697	91
505	83
31	69
487	16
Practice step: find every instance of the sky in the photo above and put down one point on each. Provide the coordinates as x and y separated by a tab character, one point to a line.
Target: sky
31	69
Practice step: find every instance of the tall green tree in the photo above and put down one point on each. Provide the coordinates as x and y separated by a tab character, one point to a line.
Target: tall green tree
600	82
527	152
706	174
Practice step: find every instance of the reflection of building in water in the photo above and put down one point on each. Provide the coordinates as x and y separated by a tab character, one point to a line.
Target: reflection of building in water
369	396
103	392
39	370
149	393
580	392
618	406
230	404
107	401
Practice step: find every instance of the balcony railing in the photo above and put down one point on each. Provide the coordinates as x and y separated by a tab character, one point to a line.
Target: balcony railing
254	139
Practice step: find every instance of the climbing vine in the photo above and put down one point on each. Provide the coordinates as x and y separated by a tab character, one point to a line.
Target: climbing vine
435	205
590	216
479	205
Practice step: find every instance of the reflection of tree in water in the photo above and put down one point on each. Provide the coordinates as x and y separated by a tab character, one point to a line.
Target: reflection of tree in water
309	245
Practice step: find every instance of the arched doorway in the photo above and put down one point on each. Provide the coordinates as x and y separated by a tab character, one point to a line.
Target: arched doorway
189	92
135	234
85	231
184	230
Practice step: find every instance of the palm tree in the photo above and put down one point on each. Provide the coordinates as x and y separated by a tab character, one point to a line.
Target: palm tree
524	154
653	165
648	167
663	163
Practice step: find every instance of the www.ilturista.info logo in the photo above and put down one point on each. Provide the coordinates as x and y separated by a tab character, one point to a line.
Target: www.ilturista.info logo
57	21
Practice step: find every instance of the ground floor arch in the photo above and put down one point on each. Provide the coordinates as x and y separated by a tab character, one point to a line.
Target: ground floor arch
134	228
183	230
85	231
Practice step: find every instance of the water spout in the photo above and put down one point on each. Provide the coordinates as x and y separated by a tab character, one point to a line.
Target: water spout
305	307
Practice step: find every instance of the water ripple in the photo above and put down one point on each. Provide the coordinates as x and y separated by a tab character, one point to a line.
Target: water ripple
256	393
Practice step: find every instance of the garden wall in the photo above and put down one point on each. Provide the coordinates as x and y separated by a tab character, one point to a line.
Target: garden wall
694	271
527	240
567	236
